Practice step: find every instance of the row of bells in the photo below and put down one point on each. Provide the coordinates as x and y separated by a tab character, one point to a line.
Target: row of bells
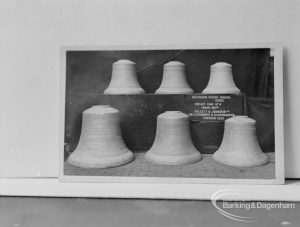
124	79
101	144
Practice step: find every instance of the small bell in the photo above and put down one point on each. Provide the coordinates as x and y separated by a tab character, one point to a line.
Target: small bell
124	79
173	144
101	144
240	146
221	80
174	79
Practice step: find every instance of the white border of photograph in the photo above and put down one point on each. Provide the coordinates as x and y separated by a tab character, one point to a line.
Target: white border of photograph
276	50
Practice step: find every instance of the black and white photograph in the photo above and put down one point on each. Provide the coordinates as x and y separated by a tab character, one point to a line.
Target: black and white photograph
184	114
149	113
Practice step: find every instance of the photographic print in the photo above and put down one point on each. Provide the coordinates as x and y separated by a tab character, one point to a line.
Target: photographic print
200	114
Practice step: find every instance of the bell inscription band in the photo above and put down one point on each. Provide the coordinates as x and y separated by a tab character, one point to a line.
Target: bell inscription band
221	80
174	80
124	79
101	144
173	144
240	147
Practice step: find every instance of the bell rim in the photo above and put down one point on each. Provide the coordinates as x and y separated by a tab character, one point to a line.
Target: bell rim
234	163
185	159
102	162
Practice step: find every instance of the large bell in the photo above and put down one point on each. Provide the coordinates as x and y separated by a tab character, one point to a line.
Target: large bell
174	79
124	79
101	144
240	146
221	80
173	144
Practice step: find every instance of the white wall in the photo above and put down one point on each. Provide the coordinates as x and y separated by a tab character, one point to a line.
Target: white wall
32	32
